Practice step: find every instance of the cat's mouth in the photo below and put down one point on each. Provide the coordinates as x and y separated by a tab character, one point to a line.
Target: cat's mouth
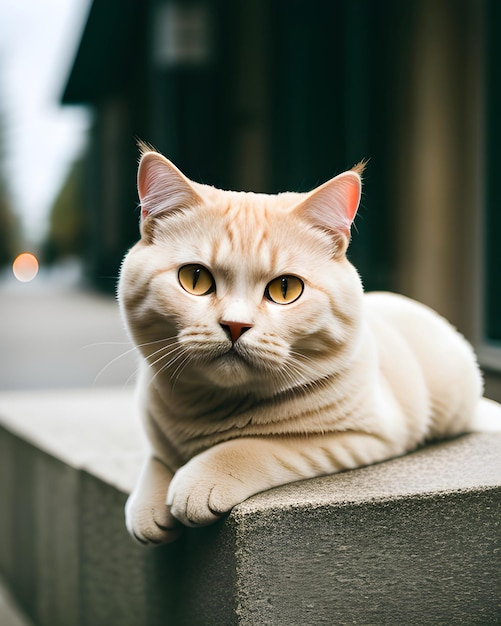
234	365
238	361
236	355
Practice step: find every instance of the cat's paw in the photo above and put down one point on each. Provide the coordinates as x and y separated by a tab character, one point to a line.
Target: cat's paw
200	494
150	525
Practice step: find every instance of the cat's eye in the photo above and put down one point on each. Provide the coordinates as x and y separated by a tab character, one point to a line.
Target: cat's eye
196	279
284	289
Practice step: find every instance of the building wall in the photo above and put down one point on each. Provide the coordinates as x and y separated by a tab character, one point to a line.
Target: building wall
438	178
281	95
441	196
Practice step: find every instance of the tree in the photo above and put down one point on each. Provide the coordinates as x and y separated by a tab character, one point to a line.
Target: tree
9	223
68	225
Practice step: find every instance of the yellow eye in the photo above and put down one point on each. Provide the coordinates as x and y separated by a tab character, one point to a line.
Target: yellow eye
284	289
197	280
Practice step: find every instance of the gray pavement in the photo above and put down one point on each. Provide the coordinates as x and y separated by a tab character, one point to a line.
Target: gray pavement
54	335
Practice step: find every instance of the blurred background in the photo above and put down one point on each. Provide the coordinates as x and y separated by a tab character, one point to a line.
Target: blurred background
262	95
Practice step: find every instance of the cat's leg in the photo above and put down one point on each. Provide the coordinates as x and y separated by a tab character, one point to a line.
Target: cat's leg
211	483
148	518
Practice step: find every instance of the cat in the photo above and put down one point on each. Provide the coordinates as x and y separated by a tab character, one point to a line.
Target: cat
262	360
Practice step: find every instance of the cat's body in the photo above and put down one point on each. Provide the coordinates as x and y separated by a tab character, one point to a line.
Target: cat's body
264	362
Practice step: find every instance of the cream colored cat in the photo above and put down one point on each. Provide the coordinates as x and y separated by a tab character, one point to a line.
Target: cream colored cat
262	360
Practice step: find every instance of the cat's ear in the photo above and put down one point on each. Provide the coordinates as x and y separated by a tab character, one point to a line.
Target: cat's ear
162	187
333	206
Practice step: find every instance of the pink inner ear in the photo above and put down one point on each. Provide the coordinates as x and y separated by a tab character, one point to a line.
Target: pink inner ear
144	183
353	198
345	191
334	204
150	169
142	187
162	187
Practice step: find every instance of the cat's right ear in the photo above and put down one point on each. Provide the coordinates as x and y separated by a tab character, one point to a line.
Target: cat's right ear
162	187
333	206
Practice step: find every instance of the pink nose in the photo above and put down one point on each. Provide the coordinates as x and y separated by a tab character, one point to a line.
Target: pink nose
235	329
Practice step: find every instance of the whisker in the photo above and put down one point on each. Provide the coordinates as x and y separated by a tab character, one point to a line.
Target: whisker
301	356
110	363
293	374
105	343
169	354
123	354
165	340
130	377
170	363
179	370
164	352
291	371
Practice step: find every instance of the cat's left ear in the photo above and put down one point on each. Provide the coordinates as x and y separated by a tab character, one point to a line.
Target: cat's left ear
333	206
162	187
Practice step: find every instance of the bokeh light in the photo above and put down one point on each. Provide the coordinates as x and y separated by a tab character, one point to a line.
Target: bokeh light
25	267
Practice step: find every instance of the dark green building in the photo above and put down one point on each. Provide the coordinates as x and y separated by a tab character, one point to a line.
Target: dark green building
274	95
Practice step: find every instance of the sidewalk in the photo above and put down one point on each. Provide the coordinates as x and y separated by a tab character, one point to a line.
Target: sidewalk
54	335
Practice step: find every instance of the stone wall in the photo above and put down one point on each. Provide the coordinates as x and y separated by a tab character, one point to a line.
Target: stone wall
414	540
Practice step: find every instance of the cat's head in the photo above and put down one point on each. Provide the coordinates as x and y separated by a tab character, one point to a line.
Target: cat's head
241	290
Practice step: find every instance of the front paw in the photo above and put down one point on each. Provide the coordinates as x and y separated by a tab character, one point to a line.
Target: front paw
150	524
200	494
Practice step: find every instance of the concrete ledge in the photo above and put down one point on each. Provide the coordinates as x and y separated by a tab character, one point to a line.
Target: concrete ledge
414	540
91	429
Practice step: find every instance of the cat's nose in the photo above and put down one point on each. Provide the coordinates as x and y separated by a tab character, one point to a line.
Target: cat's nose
235	329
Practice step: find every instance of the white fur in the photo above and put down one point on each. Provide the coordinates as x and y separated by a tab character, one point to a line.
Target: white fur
333	381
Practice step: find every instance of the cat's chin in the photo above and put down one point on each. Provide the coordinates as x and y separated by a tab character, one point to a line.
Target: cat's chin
231	370
236	369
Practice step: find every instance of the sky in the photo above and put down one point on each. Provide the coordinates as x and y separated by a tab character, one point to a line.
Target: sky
38	42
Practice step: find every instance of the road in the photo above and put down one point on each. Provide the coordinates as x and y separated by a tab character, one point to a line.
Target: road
56	335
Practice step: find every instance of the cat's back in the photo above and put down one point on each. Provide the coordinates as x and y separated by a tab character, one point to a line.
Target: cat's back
406	315
446	360
416	322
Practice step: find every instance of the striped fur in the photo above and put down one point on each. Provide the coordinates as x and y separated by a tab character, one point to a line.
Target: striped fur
334	380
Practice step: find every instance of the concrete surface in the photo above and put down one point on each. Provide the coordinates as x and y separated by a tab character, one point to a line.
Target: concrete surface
414	540
54	335
97	430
